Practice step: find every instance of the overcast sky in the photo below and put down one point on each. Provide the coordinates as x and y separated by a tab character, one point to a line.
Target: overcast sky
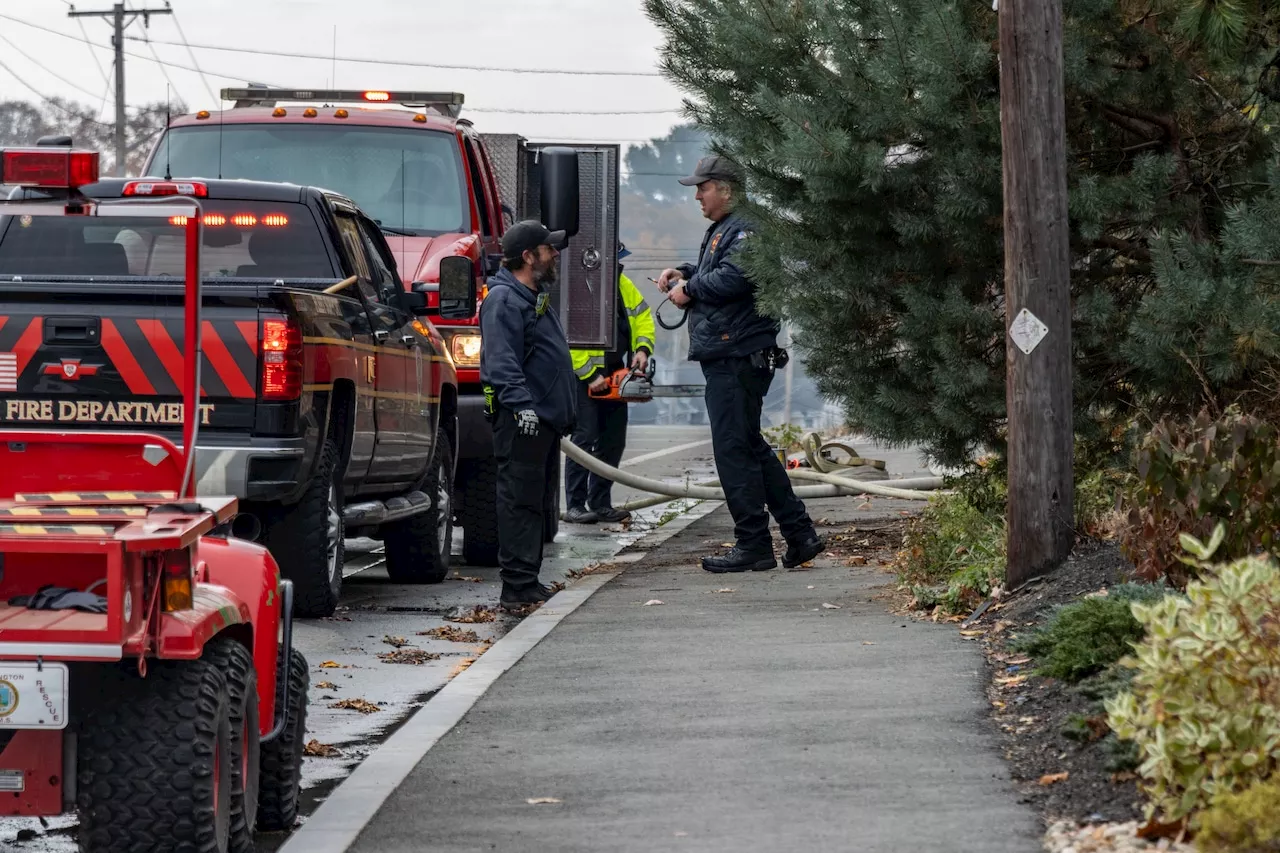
579	35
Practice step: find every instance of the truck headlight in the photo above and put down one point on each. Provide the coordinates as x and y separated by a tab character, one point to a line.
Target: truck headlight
465	348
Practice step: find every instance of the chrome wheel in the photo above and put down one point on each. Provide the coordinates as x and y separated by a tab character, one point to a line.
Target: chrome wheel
335	532
444	510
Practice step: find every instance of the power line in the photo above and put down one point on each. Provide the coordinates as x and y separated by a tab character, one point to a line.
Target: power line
241	77
46	69
49	101
573	112
92	53
165	71
415	64
190	53
116	15
130	54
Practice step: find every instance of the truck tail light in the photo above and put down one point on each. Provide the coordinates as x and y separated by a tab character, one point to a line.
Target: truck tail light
66	169
177	580
281	360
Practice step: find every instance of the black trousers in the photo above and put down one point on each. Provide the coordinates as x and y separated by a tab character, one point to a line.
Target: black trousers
527	475
749	472
602	432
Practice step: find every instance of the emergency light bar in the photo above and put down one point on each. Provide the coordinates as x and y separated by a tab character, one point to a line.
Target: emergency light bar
449	103
61	168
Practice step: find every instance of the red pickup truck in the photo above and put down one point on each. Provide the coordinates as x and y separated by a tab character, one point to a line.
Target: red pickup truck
436	188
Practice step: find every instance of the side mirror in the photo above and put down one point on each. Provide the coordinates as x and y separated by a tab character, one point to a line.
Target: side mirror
559	191
457	288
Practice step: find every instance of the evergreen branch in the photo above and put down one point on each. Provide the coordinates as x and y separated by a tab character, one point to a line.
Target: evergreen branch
1123	247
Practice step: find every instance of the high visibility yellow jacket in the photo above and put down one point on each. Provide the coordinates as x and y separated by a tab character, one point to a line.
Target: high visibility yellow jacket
588	362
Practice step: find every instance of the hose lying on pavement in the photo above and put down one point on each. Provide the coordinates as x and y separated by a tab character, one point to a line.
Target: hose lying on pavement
832	485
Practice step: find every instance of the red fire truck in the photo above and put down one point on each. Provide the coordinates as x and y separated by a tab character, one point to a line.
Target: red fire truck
437	188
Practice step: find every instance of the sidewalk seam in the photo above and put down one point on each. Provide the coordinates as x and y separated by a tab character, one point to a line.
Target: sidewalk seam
356	800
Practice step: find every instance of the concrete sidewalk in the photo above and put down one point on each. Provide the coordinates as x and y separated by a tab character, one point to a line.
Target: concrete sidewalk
752	720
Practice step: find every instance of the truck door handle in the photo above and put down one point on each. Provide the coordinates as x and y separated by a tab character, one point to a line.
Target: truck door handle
409	340
381	335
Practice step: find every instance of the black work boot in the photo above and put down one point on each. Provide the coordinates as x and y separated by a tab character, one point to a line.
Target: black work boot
803	550
610	515
519	597
738	560
580	515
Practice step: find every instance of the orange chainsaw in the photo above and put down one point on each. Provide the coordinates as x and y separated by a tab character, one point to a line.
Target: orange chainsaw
633	385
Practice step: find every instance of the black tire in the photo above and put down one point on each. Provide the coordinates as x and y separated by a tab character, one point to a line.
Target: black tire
236	663
417	548
280	777
148	757
306	540
551	512
478	512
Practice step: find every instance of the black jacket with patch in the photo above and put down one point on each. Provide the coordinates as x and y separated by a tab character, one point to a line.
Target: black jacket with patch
723	320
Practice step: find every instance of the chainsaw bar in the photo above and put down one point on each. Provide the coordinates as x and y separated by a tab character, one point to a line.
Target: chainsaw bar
677	390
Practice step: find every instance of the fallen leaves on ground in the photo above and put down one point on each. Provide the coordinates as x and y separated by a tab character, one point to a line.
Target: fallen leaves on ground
826	605
461	667
320	750
417	657
326	685
398	642
1154	829
467	578
856	560
557	586
1054	778
333	664
651	602
542	801
452	634
364	706
472	615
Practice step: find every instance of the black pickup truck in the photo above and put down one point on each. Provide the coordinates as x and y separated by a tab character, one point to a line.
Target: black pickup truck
328	399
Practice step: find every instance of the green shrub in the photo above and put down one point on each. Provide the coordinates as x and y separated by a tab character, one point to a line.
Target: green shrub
1193	476
1244	822
1087	636
1204	708
952	553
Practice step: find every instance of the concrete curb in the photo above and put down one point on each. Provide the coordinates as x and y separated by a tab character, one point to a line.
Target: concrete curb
340	819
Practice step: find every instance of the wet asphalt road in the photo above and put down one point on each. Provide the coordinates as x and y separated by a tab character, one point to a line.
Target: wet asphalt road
377	617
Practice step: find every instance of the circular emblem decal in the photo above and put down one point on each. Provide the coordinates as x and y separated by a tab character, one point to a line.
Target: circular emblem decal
25	220
8	698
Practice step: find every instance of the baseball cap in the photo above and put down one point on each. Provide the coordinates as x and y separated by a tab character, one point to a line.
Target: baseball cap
713	168
527	236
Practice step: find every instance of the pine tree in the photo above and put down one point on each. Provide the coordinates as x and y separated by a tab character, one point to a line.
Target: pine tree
870	133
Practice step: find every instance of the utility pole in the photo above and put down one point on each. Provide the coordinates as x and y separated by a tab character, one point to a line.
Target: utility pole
1037	288
117	14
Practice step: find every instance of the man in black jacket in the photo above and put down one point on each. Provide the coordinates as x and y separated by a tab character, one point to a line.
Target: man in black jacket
530	393
737	347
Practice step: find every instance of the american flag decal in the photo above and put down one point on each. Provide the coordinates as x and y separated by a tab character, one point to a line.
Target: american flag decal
8	371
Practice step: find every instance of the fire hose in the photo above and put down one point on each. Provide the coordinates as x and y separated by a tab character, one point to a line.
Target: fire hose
832	484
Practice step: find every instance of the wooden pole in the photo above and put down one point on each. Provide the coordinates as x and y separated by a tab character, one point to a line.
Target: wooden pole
1037	293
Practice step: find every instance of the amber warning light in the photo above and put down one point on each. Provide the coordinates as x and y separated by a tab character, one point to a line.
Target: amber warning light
67	168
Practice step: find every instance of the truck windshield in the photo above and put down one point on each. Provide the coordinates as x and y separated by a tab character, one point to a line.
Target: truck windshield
405	179
248	239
